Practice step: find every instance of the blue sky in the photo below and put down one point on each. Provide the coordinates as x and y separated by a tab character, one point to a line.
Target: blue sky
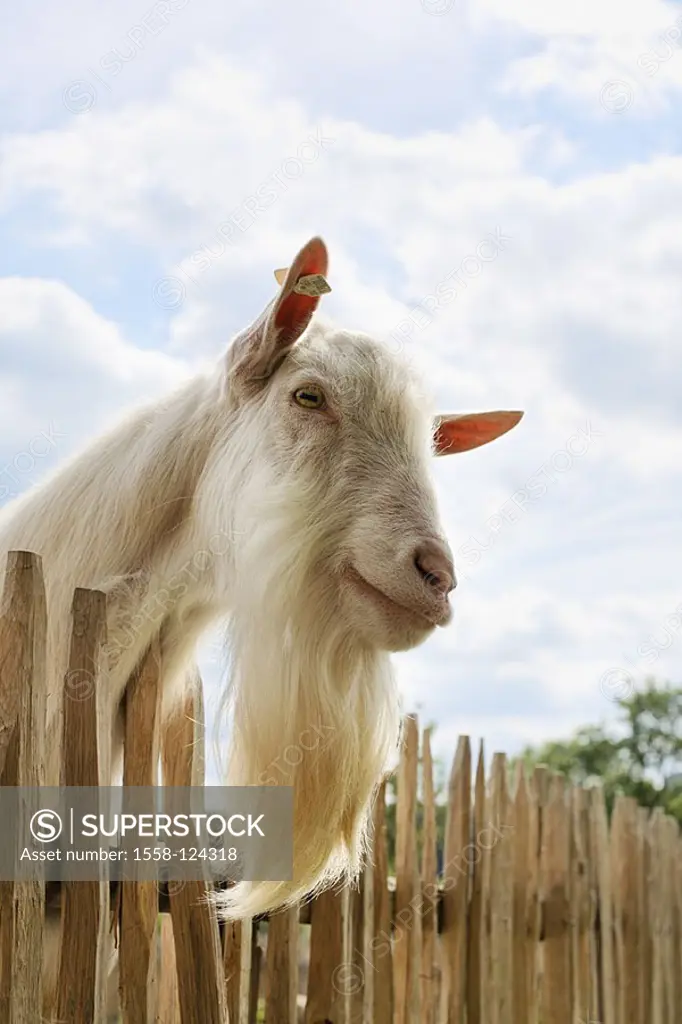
134	138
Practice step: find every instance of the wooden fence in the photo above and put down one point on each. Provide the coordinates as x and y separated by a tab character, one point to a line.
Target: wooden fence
535	910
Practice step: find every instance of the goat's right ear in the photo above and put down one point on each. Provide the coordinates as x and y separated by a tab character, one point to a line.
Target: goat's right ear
461	433
257	351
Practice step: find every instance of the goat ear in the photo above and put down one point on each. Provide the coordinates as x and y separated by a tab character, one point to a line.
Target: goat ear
257	352
461	433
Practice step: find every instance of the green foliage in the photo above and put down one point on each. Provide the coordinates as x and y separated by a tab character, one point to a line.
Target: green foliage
641	757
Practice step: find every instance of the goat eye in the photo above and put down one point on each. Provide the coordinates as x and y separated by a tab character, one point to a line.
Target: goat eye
310	397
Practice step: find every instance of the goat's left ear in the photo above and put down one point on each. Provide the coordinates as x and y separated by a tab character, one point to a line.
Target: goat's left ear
461	433
258	350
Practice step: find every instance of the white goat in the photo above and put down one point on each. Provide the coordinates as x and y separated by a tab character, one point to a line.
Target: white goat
290	492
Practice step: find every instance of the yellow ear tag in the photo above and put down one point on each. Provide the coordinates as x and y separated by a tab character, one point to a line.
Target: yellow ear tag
310	284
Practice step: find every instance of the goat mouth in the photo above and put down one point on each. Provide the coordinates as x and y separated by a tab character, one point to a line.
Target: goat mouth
390	604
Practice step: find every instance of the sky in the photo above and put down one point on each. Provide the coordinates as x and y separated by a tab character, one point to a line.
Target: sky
500	189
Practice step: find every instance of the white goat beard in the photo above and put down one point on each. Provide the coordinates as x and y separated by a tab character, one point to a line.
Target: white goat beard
296	671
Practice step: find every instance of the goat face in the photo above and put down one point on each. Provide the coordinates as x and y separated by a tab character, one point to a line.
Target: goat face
347	437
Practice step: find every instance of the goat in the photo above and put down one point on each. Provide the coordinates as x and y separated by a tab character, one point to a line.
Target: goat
299	469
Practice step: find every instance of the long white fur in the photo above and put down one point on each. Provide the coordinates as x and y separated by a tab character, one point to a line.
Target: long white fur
197	474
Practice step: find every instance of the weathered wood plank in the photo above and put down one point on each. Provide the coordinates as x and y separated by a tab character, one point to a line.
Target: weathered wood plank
237	956
139	900
407	900
554	860
600	851
675	942
381	955
496	838
477	930
429	890
658	1009
168	1011
526	911
644	911
456	883
582	909
356	911
331	971
626	866
195	925
649	909
84	950
23	695
366	966
282	967
256	971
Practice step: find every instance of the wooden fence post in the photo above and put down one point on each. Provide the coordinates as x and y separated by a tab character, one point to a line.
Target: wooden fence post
554	860
237	947
366	967
282	967
477	929
330	976
624	867
140	900
256	972
600	854
84	947
23	691
195	924
582	908
407	899
456	881
526	911
359	997
649	888
430	969
168	1011
381	955
501	851
675	890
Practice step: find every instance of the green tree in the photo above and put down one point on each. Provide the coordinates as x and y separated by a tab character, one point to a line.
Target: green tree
641	756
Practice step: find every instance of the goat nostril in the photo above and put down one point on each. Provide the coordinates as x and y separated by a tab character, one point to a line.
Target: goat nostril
432	578
434	564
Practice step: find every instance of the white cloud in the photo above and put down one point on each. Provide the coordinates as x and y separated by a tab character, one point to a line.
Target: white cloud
617	58
62	363
583	18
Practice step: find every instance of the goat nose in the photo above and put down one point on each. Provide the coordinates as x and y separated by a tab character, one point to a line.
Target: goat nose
433	562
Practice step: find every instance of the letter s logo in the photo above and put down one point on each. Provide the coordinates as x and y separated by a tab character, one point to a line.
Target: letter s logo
46	826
